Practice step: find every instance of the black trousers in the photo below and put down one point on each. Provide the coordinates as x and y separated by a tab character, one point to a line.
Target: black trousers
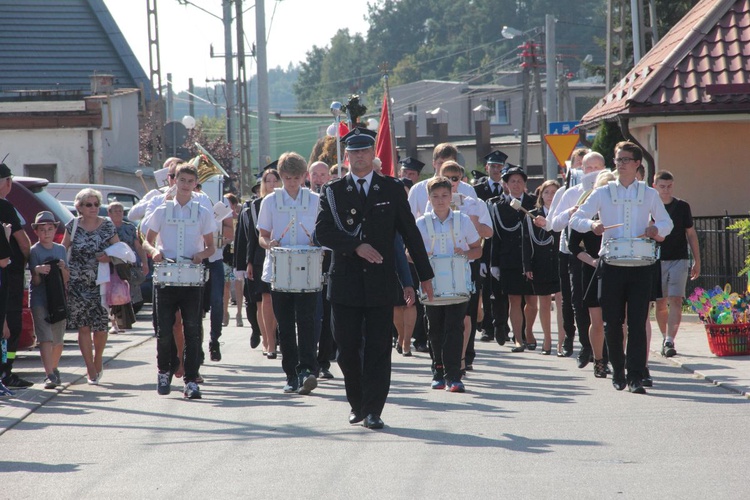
583	321
295	314
471	312
486	291
326	345
363	336
568	316
186	299
446	331
500	308
251	307
626	290
12	301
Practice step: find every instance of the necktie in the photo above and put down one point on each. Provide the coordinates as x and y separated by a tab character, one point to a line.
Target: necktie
494	189
362	194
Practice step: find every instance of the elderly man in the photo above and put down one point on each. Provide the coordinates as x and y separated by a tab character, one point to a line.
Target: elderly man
630	216
359	217
319	175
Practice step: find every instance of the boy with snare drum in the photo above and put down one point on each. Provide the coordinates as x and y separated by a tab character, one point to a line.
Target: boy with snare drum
450	238
293	266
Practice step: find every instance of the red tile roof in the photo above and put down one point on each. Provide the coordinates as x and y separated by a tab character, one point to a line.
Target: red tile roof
701	65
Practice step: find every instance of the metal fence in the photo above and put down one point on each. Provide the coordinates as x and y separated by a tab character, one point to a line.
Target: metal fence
723	253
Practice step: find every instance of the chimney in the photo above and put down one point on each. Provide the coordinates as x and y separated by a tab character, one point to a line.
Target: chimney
102	83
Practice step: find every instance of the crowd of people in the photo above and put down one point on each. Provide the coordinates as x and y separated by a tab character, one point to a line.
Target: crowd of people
357	267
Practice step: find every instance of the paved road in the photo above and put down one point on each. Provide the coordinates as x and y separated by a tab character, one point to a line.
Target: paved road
531	426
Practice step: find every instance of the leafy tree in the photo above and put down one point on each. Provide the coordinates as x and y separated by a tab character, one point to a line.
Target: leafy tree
607	137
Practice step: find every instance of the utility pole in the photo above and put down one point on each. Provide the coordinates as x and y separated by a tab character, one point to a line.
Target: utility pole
644	35
157	111
245	172
551	63
229	70
264	146
191	98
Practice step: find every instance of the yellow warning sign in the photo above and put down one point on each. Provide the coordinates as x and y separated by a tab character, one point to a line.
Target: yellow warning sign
562	146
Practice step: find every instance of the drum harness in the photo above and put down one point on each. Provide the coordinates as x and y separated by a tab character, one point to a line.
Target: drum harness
442	238
170	219
292	211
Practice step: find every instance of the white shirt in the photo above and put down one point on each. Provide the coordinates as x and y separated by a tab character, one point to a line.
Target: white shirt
491	184
469	206
275	221
600	202
368	181
418	196
467	233
138	211
166	241
562	207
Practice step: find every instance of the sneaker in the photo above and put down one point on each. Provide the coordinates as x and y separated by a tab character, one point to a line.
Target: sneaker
199	379
291	386
647	381
438	383
326	374
309	382
456	386
49	382
667	350
164	383
13	381
192	391
215	350
5	392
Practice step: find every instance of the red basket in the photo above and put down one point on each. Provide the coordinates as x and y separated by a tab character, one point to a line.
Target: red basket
729	340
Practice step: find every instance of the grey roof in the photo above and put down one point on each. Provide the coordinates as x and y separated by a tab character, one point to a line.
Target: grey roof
59	44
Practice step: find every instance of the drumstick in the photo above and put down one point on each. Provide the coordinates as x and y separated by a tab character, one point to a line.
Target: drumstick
516	204
283	233
139	174
613	226
306	233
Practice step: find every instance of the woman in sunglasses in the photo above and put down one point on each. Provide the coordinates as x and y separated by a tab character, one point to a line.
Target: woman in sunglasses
86	238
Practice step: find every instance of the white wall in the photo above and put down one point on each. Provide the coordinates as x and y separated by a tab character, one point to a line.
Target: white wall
120	145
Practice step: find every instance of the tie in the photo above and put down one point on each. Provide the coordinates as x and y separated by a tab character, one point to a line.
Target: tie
362	194
494	189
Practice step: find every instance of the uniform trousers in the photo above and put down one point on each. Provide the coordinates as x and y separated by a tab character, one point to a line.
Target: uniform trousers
626	290
363	336
583	320
295	314
500	305
326	345
187	300
567	307
446	330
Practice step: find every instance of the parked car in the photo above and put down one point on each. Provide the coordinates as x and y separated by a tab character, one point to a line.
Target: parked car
66	193
29	196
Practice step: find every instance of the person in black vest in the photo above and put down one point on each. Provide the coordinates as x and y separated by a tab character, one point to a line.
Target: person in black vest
358	220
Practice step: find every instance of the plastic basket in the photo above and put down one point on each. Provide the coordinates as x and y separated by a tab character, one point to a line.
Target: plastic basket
729	340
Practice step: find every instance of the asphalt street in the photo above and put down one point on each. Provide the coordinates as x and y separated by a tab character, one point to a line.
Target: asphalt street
529	425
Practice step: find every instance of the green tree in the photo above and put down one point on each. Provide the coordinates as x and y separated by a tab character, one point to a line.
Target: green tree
607	137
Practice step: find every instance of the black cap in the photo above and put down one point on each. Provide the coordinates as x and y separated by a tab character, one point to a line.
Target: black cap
5	171
496	157
512	171
410	163
359	138
478	174
271	165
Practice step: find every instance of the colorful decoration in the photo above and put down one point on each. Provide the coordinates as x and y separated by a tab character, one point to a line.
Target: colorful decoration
720	307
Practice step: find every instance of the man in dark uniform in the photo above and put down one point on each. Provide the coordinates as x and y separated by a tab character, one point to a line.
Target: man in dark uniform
490	187
506	258
358	219
410	169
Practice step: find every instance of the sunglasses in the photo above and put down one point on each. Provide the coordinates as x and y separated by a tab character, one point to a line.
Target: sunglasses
89	205
454	178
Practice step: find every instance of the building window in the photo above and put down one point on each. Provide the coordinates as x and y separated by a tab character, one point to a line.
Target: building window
501	116
45	171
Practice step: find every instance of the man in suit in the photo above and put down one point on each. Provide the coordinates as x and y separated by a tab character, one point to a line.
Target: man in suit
506	258
358	219
490	187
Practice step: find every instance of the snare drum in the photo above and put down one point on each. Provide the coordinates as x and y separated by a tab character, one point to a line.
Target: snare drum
630	252
297	269
452	282
179	274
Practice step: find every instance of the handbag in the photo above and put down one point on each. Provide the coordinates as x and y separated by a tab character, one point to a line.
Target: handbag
118	291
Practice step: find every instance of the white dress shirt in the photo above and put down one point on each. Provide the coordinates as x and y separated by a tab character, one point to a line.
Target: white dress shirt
166	241
418	197
467	233
600	202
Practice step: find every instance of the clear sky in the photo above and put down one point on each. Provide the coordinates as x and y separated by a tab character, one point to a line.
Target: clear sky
186	32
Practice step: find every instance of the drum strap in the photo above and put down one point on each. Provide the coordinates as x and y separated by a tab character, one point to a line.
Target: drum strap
627	205
192	219
292	209
442	238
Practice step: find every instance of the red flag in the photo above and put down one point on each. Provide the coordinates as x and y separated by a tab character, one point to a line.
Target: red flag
343	129
384	143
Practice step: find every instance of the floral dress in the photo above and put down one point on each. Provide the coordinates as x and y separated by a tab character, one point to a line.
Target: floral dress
84	297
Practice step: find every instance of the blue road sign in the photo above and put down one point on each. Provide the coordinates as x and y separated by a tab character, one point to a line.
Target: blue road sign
557	128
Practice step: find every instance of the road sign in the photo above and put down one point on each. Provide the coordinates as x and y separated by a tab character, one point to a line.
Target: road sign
562	146
557	128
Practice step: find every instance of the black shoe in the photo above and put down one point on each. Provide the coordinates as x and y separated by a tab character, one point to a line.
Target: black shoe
647	381
214	350
254	340
584	357
399	349
355	418
568	347
486	337
373	421
518	348
618	380
421	348
531	346
164	383
326	374
636	386
667	350
501	339
600	368
13	381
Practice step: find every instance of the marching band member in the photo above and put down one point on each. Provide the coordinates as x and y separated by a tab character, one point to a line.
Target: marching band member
358	220
446	232
287	218
180	230
418	193
630	205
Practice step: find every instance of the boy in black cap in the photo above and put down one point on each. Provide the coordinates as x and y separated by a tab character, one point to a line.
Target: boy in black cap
410	169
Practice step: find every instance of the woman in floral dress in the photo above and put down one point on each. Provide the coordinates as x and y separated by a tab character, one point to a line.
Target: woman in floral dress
86	312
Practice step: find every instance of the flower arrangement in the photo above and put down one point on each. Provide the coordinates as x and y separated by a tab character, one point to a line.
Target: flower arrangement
720	306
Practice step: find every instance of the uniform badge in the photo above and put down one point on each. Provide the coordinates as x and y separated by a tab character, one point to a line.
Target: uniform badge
353	211
376	187
350	221
349	188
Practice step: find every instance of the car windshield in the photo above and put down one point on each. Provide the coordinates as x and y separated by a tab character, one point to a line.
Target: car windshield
62	214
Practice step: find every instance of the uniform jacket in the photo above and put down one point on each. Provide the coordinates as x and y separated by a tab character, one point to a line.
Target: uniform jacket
352	280
507	244
483	189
